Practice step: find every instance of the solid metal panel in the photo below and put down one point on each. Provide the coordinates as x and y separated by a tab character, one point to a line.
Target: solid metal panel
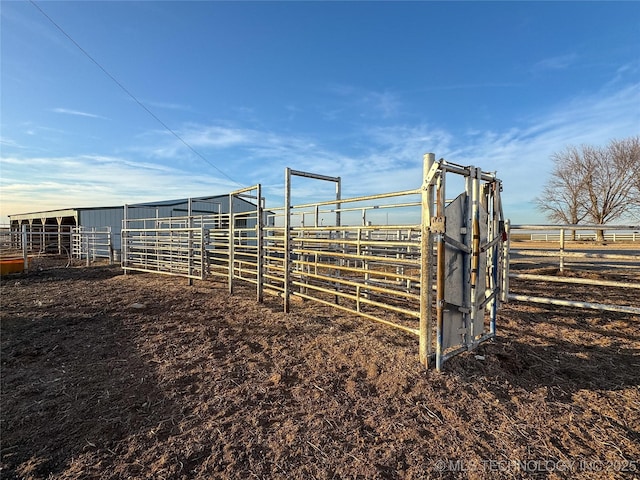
104	217
453	321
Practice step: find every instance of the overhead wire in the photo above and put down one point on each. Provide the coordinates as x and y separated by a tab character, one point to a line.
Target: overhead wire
125	90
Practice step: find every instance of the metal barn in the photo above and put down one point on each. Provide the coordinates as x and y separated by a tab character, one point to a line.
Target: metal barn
51	229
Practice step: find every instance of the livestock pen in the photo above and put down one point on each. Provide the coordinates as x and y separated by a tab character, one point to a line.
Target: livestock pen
435	272
581	260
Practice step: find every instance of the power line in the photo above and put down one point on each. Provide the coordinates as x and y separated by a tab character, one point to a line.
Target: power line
125	90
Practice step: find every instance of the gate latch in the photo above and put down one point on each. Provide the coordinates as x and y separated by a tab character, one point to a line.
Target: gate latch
438	224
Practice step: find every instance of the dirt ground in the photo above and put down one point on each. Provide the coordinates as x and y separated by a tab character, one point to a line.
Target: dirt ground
143	376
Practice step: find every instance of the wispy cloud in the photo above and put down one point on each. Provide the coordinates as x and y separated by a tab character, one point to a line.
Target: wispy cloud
67	111
625	72
168	105
368	102
42	183
559	62
378	159
470	86
8	142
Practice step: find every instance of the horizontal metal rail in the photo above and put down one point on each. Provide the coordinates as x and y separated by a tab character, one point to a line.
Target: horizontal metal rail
579	281
619	261
413	331
546	253
574	227
571	303
385	273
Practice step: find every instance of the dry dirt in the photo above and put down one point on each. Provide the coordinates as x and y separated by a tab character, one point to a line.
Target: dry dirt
200	384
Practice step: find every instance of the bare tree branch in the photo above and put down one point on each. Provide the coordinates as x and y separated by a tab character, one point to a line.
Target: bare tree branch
598	184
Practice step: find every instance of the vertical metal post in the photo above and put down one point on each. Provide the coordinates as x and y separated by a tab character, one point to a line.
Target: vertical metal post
440	272
59	220
25	257
367	251
87	248
110	245
561	250
287	237
338	197
426	249
189	241
123	238
259	240
505	259
475	252
156	235
30	234
203	256
339	234
232	242
495	254
43	235
359	253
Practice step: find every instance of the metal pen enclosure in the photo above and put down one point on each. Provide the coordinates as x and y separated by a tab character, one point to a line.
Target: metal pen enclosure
435	256
51	229
571	255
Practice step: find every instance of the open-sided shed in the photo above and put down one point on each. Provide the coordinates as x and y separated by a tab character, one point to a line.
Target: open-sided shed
52	228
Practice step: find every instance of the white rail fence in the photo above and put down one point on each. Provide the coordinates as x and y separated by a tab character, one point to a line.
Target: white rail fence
85	243
91	243
576	256
624	237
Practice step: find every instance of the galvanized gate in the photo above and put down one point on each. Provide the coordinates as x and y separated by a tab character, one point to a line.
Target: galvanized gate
470	260
171	246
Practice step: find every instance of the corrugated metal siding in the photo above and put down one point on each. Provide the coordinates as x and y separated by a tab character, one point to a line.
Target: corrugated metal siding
104	217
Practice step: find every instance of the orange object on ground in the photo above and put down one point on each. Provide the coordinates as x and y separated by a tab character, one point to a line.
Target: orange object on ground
11	265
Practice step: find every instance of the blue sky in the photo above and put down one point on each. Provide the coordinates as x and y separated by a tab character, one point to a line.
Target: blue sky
353	89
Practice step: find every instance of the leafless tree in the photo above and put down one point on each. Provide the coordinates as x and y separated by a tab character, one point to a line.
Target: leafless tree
595	184
562	196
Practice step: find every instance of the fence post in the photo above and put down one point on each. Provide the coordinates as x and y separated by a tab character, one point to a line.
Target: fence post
426	250
231	243
59	221
505	256
189	241
87	248
475	252
123	239
497	226
110	245
259	239
440	270
561	250
287	235
25	257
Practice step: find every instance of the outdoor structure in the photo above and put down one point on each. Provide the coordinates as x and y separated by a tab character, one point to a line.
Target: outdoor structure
432	261
52	229
435	271
581	255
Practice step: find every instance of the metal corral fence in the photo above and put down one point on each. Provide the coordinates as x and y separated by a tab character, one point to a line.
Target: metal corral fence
575	254
436	272
624	237
71	242
91	243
